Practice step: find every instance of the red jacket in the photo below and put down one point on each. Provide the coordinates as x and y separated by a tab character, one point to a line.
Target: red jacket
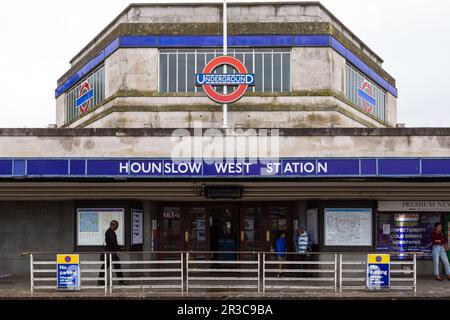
435	237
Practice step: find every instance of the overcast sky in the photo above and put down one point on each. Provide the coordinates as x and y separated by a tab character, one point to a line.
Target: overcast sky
38	39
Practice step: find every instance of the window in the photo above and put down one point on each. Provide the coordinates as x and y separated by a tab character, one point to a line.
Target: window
365	94
272	68
96	82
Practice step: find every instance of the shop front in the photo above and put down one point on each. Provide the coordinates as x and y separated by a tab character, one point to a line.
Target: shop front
224	227
406	226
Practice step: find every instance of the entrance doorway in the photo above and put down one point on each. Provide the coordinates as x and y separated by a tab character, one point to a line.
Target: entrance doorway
223	228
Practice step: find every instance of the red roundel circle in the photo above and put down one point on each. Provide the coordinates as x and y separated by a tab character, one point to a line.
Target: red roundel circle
366	87
231	97
85	88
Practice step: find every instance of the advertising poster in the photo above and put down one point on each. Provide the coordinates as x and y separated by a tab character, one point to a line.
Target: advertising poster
348	227
137	225
406	232
93	223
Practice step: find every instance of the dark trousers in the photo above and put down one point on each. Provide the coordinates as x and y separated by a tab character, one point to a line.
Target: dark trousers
115	257
304	257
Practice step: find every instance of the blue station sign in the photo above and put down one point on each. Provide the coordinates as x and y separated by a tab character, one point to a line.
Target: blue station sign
234	168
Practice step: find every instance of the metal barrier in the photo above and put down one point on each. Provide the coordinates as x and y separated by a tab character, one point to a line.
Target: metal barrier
243	271
204	271
295	271
160	270
353	271
43	271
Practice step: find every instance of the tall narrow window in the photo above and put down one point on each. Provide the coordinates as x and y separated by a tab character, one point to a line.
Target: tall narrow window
365	94
86	95
272	68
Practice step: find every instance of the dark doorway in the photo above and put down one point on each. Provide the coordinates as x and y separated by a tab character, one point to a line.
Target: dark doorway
224	232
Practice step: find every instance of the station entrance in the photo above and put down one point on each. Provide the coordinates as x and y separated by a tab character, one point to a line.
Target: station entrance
223	227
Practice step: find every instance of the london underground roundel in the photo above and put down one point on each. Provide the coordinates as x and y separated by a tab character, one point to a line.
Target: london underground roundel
365	93
84	97
241	79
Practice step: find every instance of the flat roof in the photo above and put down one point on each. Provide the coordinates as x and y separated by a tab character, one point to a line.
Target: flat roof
243	3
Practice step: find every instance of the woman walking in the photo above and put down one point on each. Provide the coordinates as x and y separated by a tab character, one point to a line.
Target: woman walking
439	251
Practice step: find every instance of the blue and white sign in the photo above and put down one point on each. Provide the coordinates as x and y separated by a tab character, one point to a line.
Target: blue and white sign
378	271
225	79
68	271
233	168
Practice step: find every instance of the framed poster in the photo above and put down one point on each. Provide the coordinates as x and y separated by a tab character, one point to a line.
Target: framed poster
93	223
348	227
137	227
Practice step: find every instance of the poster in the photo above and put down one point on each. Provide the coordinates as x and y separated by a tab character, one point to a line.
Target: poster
93	223
348	227
137	225
408	232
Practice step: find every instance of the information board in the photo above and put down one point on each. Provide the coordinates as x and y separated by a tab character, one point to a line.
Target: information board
137	226
68	271
93	223
348	227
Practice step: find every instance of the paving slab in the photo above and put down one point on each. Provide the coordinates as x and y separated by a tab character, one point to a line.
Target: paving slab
427	289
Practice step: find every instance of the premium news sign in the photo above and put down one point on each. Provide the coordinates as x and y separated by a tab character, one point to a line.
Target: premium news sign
414	205
223	168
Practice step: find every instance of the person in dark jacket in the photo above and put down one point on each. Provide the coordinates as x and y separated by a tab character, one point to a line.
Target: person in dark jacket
111	246
280	249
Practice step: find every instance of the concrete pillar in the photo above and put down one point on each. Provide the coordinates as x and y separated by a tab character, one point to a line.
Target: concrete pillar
131	69
391	110
61	110
316	69
150	214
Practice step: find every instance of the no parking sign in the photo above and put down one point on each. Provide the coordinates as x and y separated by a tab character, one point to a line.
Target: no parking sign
68	271
378	271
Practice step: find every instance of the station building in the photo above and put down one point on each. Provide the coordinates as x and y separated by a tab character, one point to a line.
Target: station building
315	141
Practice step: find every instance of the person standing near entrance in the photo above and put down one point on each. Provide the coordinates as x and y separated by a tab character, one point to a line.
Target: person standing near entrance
439	251
280	249
303	245
112	246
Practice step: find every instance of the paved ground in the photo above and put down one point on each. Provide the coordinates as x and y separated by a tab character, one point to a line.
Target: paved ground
18	288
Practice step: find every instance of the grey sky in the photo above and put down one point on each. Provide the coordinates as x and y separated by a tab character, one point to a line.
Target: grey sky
40	37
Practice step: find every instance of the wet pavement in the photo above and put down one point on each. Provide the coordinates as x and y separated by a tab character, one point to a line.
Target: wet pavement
427	288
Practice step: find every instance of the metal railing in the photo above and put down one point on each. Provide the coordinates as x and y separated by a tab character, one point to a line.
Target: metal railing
210	271
293	271
160	271
353	271
43	273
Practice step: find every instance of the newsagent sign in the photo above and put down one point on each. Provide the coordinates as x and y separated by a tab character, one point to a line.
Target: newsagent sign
418	206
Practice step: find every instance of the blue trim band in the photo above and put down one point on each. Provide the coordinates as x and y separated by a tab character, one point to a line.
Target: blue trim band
285	168
181	41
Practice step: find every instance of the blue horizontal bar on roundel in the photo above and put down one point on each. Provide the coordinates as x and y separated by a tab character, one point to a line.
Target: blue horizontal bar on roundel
84	98
367	97
225	79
